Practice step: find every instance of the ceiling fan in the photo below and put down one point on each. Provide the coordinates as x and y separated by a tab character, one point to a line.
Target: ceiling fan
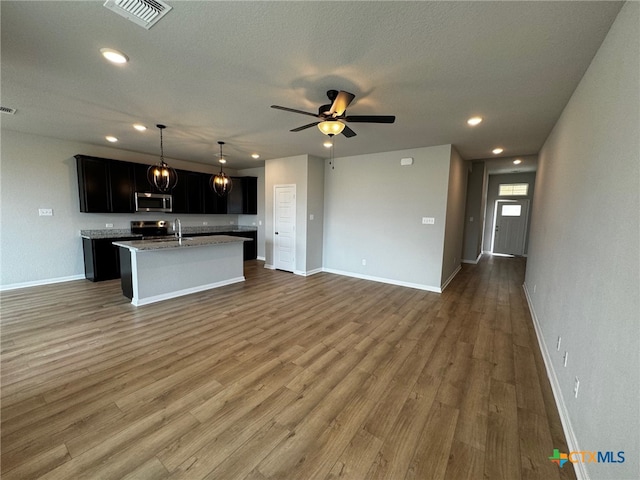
333	115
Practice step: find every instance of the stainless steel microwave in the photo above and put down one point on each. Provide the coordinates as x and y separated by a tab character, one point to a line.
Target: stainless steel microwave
153	202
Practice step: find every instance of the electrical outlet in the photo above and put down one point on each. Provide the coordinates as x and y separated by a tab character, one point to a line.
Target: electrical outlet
566	357
109	225
558	343
205	223
45	212
576	386
428	220
364	261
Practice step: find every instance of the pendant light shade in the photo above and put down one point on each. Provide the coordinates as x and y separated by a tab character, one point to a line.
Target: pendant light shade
331	127
220	182
161	176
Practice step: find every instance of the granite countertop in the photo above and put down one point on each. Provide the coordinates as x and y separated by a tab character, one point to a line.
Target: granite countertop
172	242
108	233
116	233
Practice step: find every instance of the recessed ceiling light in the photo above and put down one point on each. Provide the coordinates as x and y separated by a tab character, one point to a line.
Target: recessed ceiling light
111	138
114	56
473	121
497	151
517	161
255	156
139	127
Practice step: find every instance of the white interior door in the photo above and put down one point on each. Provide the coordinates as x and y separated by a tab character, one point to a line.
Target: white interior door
284	233
510	226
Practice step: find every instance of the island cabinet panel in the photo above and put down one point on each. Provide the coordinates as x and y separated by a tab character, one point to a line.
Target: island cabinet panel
251	247
104	186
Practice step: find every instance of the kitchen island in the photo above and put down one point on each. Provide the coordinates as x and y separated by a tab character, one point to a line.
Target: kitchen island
159	269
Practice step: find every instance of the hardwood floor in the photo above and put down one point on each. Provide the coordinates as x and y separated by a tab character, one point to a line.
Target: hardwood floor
281	377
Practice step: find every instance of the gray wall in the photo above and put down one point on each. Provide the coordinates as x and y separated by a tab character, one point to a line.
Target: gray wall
474	213
374	209
287	171
583	273
454	227
315	208
40	172
306	172
492	195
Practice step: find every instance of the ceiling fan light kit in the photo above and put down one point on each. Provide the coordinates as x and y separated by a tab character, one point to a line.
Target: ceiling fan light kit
331	127
332	116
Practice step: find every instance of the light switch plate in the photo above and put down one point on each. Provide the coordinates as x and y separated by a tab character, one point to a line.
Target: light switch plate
428	221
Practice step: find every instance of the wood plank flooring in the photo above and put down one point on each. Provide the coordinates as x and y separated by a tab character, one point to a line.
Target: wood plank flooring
280	377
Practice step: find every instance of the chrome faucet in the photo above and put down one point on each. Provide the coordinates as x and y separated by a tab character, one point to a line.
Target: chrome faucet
177	233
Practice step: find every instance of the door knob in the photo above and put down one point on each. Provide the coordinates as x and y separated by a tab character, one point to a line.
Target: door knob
276	233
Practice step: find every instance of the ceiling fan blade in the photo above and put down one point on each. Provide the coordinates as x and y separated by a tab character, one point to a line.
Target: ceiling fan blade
370	118
304	127
347	132
287	109
341	103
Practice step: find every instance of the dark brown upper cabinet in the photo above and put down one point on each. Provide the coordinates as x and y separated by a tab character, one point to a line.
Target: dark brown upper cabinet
105	186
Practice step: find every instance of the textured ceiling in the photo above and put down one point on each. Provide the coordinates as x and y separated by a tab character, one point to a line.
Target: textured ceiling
211	70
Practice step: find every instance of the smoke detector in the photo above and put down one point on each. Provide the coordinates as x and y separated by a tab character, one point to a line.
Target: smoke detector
145	13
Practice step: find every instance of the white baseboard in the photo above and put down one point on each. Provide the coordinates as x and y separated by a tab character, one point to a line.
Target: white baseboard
572	441
444	285
261	258
37	283
309	272
473	262
418	286
269	266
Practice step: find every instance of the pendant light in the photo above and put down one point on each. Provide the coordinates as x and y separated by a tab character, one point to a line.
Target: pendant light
162	176
220	182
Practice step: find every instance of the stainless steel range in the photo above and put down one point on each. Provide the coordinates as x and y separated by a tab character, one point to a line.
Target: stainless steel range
150	229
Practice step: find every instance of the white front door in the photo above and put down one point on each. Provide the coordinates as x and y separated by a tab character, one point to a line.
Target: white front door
510	227
284	233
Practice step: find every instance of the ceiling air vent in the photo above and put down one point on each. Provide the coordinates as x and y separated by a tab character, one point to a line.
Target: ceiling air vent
141	12
7	110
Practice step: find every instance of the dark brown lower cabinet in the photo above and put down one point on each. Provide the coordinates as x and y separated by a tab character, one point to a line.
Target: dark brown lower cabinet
102	258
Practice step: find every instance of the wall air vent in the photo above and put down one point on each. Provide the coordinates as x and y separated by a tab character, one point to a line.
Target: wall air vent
8	110
145	13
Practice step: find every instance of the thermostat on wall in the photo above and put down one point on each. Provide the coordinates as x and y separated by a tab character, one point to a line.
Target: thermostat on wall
406	161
